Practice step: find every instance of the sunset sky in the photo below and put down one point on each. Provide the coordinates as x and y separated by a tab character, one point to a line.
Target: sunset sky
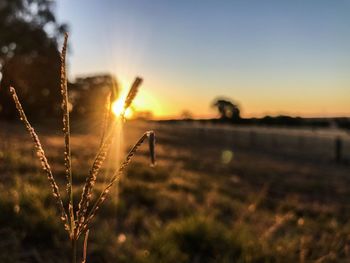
272	57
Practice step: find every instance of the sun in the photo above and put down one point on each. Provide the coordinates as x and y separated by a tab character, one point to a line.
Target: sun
118	105
118	109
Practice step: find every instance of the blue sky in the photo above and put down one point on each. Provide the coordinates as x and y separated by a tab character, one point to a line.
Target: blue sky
273	57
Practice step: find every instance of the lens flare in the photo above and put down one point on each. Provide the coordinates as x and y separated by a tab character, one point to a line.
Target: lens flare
118	107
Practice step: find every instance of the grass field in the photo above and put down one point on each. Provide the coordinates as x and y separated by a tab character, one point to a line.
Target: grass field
207	200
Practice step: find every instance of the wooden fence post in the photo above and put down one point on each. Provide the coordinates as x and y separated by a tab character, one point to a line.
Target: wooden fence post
338	149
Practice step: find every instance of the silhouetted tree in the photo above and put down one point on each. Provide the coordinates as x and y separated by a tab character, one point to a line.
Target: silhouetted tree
143	115
186	115
88	95
29	58
228	110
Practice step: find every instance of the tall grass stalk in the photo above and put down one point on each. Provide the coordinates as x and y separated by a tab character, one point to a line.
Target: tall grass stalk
67	150
77	220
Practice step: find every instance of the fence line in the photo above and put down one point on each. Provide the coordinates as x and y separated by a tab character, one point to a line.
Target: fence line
308	144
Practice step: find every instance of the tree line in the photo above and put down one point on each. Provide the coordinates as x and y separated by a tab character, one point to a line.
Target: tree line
30	36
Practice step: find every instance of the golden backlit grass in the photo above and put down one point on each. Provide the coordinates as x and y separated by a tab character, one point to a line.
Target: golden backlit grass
77	220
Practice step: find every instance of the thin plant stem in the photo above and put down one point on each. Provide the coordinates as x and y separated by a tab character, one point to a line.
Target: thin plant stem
85	246
74	250
66	131
43	160
92	177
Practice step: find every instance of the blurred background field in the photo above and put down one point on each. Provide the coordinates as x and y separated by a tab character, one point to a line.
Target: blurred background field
213	197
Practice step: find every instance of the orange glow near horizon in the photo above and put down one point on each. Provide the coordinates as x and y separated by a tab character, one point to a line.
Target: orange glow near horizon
170	105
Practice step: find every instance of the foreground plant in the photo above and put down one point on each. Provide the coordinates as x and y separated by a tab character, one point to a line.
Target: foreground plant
77	220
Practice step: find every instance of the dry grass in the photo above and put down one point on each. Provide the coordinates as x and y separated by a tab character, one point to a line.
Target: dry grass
156	214
78	221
